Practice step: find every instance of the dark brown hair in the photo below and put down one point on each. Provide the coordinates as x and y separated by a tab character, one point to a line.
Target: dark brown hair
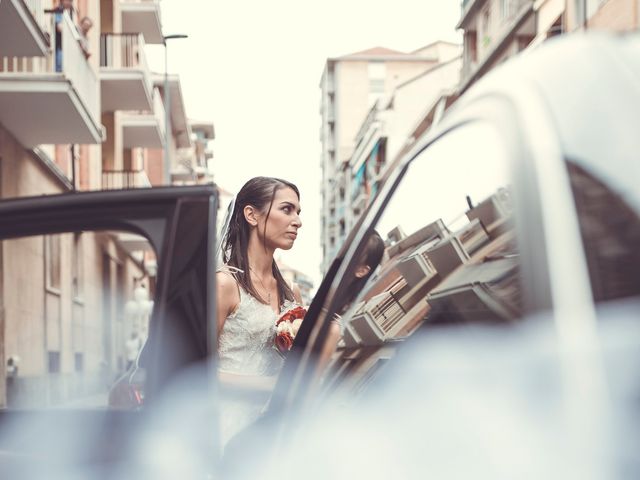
258	192
371	257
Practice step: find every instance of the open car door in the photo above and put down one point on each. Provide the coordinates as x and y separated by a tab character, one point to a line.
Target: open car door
99	288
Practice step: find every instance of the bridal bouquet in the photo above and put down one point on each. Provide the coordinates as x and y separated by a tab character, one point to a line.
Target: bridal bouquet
287	328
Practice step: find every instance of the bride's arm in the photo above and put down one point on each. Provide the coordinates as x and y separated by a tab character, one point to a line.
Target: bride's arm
227	298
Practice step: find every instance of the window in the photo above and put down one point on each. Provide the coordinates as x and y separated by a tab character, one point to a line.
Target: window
79	362
471	46
580	12
610	231
377	75
485	23
557	28
504	8
53	362
77	276
52	262
456	261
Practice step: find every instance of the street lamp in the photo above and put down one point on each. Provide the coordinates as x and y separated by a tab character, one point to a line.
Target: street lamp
167	108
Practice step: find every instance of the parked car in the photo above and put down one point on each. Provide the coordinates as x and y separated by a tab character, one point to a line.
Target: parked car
498	336
511	275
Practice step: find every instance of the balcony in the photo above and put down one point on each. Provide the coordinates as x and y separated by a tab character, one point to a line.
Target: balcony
119	179
42	104
359	202
124	75
180	127
142	16
22	27
484	49
144	129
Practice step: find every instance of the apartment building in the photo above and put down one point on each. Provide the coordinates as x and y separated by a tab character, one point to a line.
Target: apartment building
390	124
79	110
350	85
495	30
302	280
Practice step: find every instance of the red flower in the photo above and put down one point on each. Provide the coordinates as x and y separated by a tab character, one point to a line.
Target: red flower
284	341
291	315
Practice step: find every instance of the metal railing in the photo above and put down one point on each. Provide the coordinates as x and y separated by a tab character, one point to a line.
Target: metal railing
76	68
119	179
74	65
122	50
125	51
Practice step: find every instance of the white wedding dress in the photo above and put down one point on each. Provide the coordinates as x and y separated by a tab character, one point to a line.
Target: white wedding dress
246	347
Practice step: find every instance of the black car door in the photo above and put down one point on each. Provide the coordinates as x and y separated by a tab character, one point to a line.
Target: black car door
71	265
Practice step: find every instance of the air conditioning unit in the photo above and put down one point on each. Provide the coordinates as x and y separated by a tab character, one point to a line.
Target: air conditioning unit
370	323
447	255
492	212
432	232
473	236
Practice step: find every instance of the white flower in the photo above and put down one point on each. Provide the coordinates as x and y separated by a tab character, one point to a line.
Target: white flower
285	327
295	326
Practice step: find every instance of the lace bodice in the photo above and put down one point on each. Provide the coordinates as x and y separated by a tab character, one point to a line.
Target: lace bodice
246	347
246	341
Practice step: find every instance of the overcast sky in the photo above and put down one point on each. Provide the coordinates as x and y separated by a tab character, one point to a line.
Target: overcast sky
253	69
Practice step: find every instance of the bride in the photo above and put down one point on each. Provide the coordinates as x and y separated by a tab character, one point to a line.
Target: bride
251	296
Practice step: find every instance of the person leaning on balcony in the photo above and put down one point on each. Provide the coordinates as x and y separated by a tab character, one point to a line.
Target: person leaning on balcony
58	16
85	25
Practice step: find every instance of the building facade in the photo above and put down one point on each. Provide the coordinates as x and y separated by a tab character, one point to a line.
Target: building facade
355	89
495	30
79	110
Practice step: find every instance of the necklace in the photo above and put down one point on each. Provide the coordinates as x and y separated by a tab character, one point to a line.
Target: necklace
263	287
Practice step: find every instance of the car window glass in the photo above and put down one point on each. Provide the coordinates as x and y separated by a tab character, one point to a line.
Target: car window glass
449	255
610	230
76	309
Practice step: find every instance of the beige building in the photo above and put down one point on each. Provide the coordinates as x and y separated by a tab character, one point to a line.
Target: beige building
78	113
303	281
390	124
349	86
495	30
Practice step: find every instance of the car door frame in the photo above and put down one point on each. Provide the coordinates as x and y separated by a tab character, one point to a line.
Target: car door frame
182	331
515	106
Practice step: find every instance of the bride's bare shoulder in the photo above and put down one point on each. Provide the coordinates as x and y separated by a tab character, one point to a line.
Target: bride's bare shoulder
226	281
228	294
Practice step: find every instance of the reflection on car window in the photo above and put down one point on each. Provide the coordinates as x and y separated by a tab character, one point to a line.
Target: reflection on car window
76	313
450	254
610	231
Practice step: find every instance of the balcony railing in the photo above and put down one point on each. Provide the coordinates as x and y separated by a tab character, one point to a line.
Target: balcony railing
74	67
119	179
122	50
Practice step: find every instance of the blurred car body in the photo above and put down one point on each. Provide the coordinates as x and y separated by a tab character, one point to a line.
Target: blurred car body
514	222
511	233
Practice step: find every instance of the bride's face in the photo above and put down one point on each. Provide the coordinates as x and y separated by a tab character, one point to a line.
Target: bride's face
283	222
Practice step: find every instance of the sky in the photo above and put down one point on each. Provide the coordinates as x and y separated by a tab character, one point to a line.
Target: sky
253	68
